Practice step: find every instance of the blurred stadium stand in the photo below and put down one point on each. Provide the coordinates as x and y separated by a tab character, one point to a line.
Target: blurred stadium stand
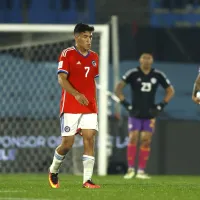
170	13
47	11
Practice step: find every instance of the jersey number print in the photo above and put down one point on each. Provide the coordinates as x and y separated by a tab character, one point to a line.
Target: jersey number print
87	71
146	87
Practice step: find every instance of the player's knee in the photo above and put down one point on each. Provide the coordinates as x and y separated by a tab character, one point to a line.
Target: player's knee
133	137
145	143
88	145
89	135
133	140
89	140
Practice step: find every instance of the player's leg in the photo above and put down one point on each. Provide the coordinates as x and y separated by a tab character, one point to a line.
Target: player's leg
145	147
59	156
88	155
60	152
134	126
69	124
89	126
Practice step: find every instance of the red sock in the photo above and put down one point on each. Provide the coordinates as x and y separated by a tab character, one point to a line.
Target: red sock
131	152
143	157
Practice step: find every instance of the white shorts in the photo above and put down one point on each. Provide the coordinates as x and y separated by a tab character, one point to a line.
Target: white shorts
71	122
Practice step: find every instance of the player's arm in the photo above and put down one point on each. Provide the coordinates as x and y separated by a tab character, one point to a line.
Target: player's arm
65	84
169	89
166	84
63	71
119	90
169	93
196	88
119	93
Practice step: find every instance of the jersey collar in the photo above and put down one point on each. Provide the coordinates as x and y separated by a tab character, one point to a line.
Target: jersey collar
152	69
81	53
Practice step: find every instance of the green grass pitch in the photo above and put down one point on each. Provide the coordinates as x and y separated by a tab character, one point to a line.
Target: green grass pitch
36	187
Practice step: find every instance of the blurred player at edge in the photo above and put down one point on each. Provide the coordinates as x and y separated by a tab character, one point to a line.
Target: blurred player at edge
196	88
77	69
144	81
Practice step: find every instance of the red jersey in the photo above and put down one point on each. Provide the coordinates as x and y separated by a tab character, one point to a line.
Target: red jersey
81	70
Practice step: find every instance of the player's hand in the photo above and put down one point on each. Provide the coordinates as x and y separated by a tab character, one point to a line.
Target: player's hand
196	100
132	111
157	109
126	105
81	99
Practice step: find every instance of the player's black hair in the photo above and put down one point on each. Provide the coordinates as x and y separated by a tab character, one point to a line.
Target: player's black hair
80	27
146	52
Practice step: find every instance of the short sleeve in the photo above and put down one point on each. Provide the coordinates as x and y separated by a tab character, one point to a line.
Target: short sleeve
96	62
127	76
63	63
163	80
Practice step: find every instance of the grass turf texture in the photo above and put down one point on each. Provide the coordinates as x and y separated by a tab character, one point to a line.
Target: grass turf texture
36	187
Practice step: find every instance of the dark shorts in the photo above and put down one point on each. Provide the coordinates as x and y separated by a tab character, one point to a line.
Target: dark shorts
136	124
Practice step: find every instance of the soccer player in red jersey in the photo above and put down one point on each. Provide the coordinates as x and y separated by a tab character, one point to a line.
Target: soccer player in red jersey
77	70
